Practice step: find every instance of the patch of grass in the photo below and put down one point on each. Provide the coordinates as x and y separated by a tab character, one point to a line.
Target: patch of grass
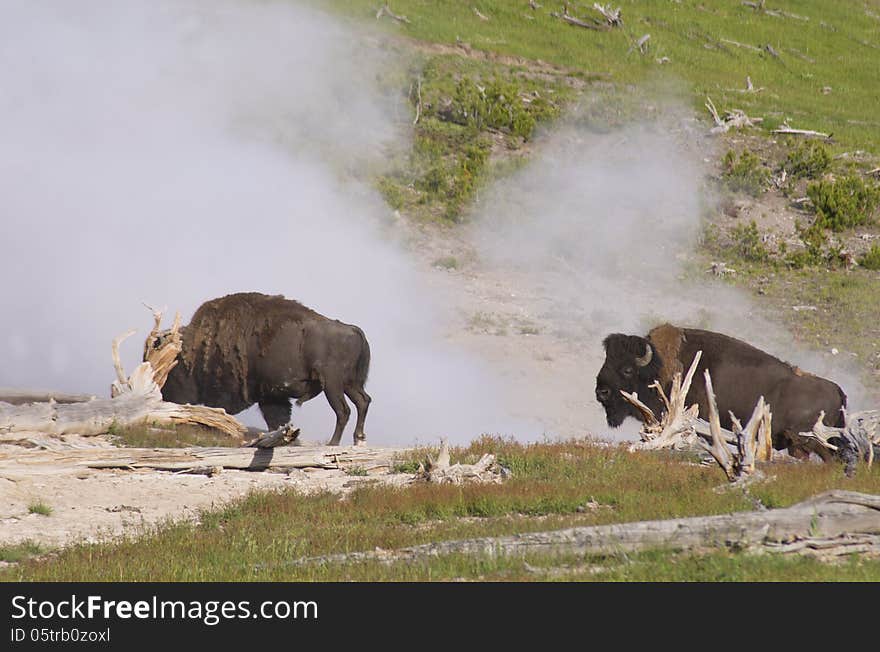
410	466
40	508
19	552
358	471
808	160
446	262
169	436
745	173
549	483
844	202
871	259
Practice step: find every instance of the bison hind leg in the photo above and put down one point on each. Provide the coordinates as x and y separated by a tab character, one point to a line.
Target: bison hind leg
361	401
276	413
336	399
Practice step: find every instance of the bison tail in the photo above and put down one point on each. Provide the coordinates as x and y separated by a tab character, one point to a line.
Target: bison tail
362	370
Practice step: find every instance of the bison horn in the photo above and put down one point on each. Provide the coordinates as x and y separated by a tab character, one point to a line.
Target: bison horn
645	359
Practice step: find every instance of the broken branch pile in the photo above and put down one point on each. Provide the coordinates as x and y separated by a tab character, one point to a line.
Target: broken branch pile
737	451
440	471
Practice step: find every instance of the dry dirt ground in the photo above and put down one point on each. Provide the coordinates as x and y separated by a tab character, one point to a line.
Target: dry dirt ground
89	505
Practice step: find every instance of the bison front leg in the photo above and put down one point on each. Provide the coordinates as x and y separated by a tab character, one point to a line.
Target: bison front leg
336	398
276	414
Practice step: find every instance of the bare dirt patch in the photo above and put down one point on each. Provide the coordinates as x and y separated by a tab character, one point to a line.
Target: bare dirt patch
89	505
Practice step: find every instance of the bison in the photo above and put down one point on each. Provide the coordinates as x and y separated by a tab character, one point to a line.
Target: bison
740	373
251	348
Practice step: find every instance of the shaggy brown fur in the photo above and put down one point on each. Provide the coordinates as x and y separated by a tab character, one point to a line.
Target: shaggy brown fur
667	341
251	348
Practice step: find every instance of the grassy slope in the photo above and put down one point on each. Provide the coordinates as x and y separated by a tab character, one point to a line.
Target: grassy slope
837	47
553	486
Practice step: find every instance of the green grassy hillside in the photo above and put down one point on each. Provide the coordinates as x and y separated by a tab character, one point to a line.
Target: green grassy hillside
826	76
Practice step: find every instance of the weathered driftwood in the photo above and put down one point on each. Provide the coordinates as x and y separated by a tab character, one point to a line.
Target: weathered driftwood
752	442
286	435
834	522
858	438
734	118
141	403
577	22
440	471
641	45
679	427
23	396
193	459
162	347
385	11
134	400
676	425
612	16
809	133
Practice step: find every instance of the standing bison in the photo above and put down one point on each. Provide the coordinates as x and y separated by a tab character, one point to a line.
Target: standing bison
740	373
251	348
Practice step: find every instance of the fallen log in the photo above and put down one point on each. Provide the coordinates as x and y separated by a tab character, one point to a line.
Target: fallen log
141	404
809	133
831	521
577	22
23	396
134	401
193	459
384	10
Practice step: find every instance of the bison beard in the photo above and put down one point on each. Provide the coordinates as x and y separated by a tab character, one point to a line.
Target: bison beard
741	373
251	348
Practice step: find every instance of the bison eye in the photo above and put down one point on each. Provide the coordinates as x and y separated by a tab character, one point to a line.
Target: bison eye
628	372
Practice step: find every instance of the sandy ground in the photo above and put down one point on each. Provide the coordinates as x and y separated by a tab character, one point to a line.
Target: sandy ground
90	505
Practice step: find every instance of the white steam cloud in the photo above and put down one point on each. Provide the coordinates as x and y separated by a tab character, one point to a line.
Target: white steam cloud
599	225
176	151
173	152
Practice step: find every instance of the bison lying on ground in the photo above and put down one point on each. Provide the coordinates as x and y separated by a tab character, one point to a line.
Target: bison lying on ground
740	373
251	348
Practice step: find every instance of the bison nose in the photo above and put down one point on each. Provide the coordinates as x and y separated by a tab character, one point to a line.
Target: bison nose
603	394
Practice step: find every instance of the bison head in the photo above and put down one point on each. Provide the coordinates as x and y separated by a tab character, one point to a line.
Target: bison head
632	365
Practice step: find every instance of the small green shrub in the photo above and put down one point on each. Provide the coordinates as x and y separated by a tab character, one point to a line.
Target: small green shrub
808	160
871	260
40	508
748	244
411	466
843	203
392	192
745	173
356	471
815	241
19	552
498	105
